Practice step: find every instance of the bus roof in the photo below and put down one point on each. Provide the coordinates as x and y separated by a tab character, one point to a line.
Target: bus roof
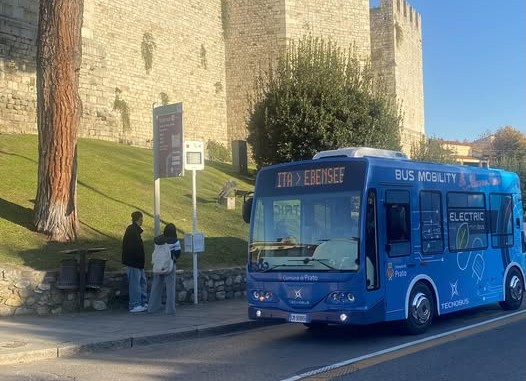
400	171
360	152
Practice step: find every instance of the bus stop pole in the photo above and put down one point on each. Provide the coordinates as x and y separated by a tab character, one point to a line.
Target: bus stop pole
194	230
156	179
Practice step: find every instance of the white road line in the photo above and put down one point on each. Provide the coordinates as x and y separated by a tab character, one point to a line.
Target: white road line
396	348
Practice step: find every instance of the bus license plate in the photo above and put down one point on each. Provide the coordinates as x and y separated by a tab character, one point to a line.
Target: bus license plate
298	318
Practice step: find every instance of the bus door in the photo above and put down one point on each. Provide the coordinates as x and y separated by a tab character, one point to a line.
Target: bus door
394	234
373	264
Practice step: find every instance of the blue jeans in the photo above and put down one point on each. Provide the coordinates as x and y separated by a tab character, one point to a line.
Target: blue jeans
137	287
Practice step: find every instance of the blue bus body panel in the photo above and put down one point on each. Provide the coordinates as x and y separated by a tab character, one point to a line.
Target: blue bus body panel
470	269
460	279
300	293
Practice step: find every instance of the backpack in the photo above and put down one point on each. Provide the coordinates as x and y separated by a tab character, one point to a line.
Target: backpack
162	259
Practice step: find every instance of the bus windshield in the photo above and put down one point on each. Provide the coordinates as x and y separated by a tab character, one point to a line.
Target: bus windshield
318	232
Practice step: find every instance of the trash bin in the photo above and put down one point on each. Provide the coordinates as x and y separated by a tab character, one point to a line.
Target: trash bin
95	275
69	274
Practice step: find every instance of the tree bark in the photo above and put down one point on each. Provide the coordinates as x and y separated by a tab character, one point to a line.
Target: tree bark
59	108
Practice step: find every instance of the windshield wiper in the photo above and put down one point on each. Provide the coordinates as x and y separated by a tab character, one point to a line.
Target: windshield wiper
280	265
354	239
319	260
274	245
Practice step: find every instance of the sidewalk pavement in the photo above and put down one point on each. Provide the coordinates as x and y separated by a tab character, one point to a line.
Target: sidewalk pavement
30	338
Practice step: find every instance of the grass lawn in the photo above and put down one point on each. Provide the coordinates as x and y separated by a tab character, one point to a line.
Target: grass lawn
113	181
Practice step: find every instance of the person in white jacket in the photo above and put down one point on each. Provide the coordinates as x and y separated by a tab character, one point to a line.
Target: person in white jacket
160	281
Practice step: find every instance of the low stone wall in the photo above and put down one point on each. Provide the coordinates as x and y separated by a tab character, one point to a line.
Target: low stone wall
24	291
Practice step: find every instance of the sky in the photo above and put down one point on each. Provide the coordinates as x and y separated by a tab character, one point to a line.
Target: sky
474	57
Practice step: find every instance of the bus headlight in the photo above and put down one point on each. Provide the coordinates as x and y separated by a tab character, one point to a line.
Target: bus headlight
341	297
262	295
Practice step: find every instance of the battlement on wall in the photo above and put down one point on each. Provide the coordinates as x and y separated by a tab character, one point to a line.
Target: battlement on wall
403	12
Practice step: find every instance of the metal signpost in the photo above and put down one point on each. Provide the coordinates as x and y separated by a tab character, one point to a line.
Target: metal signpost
194	243
170	159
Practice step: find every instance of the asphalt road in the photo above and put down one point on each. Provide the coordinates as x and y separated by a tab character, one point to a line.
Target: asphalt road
493	351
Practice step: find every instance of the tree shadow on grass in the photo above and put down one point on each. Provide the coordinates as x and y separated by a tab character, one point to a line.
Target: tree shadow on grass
102	194
200	200
249	177
16	214
20	156
50	255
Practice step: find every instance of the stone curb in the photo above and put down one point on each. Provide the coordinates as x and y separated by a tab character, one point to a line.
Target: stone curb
66	350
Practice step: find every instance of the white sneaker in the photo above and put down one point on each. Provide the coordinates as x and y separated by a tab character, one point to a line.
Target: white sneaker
138	309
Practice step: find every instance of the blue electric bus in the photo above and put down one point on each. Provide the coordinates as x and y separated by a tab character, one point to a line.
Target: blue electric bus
362	235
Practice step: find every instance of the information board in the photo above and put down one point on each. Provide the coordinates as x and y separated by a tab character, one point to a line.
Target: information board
168	140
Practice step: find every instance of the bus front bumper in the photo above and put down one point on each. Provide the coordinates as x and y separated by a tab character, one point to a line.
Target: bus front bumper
312	317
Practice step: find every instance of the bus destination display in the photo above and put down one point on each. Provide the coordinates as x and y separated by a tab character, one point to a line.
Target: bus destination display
310	177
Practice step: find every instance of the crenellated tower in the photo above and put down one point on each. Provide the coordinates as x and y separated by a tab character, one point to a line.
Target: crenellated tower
396	55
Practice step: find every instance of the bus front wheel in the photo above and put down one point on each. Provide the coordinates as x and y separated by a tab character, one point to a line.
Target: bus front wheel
421	309
514	290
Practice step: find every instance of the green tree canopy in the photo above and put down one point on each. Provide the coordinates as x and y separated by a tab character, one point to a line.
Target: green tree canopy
319	97
508	142
508	151
432	150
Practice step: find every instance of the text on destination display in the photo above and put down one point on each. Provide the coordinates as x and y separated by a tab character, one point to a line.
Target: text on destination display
310	177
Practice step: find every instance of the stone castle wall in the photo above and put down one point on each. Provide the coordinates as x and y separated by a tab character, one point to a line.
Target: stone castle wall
255	33
396	53
18	28
205	54
188	65
24	291
344	22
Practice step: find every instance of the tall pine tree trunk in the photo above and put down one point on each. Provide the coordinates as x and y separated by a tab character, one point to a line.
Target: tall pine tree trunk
59	56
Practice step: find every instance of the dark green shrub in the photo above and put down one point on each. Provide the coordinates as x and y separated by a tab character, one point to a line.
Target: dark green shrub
315	98
217	152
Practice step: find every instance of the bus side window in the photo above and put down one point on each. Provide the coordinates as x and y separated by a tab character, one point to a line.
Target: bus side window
431	231
398	223
501	219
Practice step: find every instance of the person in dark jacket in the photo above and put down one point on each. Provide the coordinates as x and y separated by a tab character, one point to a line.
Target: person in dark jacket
160	281
133	257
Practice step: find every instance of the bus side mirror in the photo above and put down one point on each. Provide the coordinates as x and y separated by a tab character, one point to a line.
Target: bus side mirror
247	209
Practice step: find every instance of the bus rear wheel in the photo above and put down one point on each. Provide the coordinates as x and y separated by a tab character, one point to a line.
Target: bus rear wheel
514	291
421	309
